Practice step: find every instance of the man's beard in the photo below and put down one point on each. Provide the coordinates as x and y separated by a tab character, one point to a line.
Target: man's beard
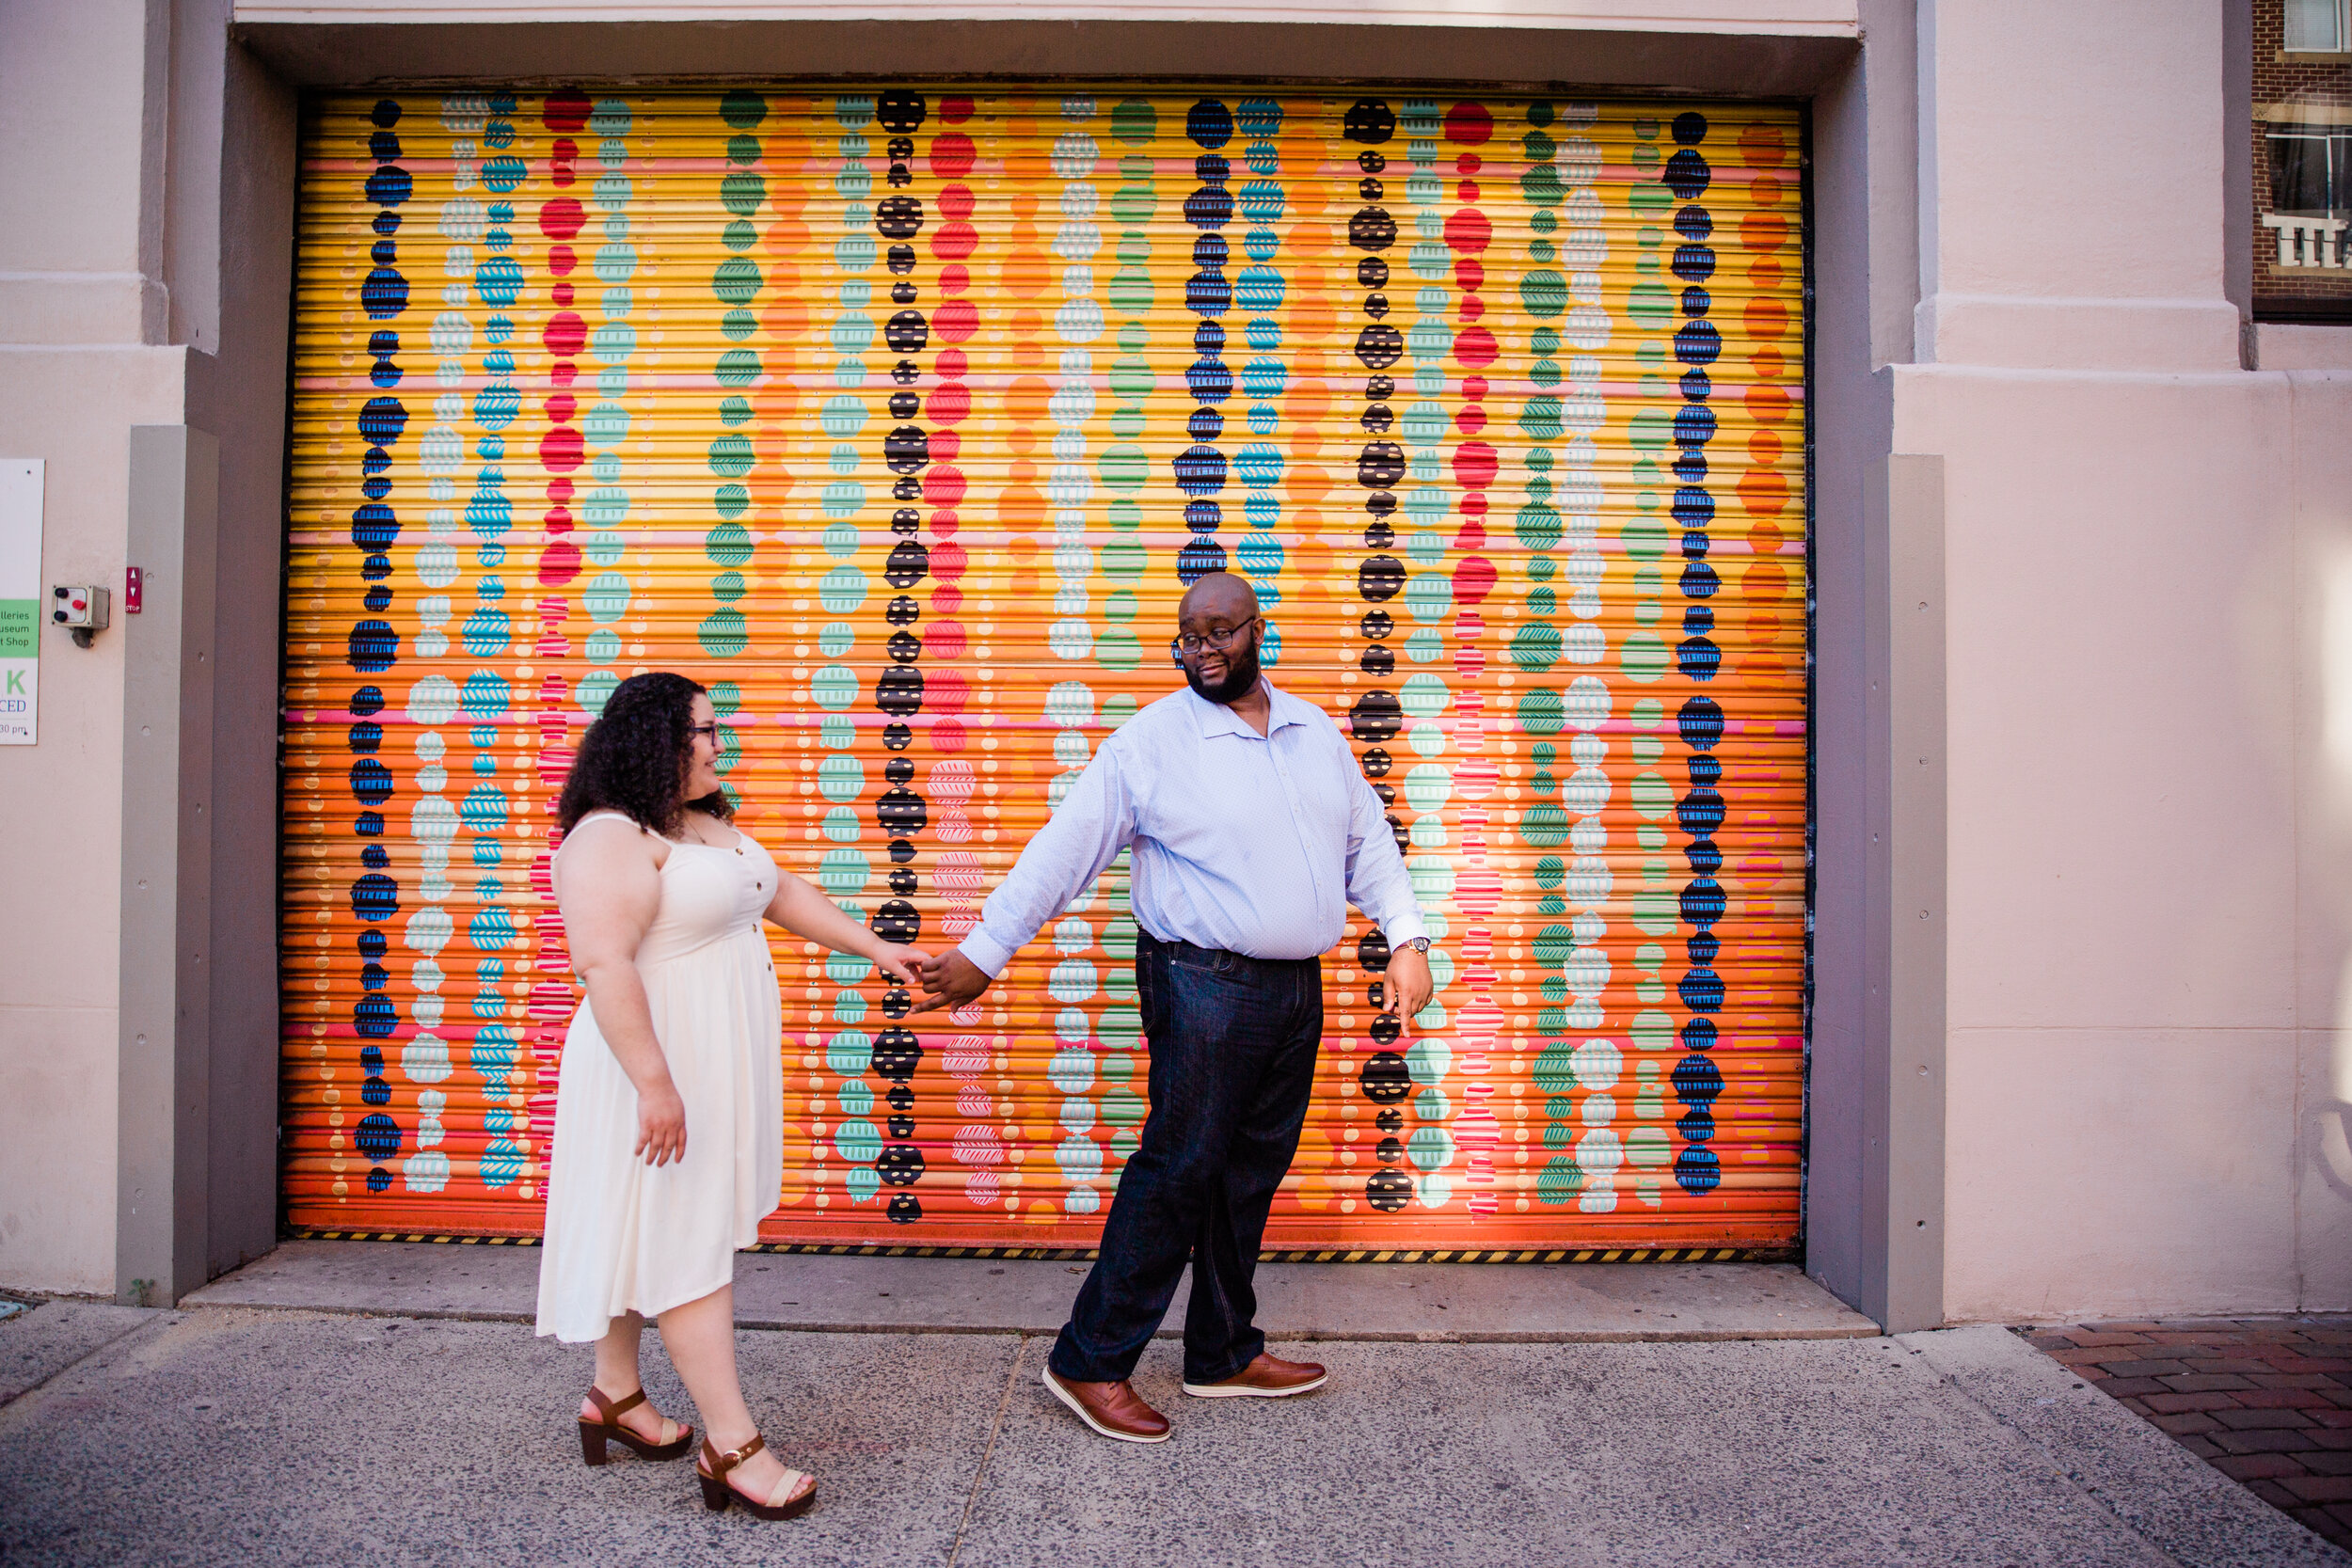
1241	673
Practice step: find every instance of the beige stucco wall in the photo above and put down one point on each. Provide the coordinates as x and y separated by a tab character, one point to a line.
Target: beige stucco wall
79	302
2146	963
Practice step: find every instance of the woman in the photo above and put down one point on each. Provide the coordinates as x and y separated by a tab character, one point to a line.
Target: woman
669	1109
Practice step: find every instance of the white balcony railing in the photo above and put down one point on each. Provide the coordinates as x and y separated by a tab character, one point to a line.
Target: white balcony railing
2309	242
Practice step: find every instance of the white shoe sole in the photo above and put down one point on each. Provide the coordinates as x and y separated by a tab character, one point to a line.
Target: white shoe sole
1071	1400
1227	1391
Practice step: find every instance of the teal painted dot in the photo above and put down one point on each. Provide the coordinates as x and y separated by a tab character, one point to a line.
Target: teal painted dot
736	325
724	634
733	411
604	646
592	690
1430	1148
843	874
1429	597
842	416
1555	1071
837	734
738	366
1424	696
861	1183
729	544
606	596
847	968
836	638
739	235
854	1097
730	501
840	778
842	590
856	1141
841	540
728	587
834	688
725	698
840	825
742	193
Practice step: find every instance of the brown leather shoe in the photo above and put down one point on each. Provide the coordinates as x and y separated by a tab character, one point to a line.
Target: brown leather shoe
1112	1409
1269	1377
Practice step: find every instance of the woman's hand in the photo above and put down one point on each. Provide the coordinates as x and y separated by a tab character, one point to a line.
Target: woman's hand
902	964
660	1123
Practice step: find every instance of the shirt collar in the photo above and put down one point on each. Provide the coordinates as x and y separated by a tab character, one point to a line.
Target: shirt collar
1216	719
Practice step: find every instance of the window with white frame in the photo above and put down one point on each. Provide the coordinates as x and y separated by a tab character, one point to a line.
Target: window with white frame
2318	26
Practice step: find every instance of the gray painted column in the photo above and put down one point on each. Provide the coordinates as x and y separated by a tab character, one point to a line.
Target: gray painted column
163	1086
1903	1070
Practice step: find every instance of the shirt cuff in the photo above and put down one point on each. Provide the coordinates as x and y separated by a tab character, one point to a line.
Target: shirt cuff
1403	928
989	955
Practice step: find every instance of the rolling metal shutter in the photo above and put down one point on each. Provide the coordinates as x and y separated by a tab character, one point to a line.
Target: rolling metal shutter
900	418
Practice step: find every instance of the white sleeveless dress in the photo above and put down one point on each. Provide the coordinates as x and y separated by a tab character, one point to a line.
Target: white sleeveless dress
621	1235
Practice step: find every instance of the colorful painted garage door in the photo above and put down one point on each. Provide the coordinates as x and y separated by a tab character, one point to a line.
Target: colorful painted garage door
900	417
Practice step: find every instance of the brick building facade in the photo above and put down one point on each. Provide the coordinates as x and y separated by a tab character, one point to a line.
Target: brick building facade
2302	147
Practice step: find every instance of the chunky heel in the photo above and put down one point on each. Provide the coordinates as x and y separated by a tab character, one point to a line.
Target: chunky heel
596	1433
711	1470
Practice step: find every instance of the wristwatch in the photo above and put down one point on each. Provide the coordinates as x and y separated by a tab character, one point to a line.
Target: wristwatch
1419	944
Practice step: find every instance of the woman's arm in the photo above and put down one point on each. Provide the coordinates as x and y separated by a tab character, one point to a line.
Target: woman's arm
611	887
803	910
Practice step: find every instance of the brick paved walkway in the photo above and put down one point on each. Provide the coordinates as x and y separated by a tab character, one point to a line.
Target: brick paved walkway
2266	1401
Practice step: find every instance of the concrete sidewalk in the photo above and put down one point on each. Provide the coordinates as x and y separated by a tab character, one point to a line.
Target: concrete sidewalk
227	1434
1500	1302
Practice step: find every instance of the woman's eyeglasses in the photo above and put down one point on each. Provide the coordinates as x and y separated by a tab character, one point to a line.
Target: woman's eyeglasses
1191	643
709	730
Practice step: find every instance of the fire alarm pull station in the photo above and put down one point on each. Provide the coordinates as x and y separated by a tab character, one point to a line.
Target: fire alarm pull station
81	611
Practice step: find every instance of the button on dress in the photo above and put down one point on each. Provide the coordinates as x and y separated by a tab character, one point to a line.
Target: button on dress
623	1236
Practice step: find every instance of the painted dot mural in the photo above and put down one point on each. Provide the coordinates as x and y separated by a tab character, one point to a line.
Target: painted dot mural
900	417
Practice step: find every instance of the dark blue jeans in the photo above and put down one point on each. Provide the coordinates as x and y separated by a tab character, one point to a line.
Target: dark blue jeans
1232	1042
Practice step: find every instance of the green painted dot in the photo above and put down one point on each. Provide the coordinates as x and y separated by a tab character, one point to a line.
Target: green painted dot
725	698
1544	826
728	587
1135	122
1122	561
1544	293
1536	646
739	235
1116	648
1123	467
742	150
724	634
729	544
1648	714
1644	656
1653	1031
1650	303
731	456
1644	538
738	366
737	280
742	193
1539	711
1540	419
733	411
1537	526
1131	290
742	108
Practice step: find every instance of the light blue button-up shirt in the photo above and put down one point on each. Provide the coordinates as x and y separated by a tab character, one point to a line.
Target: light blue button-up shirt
1248	843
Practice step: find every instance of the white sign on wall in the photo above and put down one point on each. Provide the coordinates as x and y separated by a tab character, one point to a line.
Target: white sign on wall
22	600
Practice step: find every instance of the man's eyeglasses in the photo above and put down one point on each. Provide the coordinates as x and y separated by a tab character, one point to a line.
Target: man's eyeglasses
1191	643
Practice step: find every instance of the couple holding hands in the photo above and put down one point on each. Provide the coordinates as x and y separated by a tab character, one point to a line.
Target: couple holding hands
1252	830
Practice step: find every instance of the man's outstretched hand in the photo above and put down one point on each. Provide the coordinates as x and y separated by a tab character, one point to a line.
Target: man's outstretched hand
1410	982
950	980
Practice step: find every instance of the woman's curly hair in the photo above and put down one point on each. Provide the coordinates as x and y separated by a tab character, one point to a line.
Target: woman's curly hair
634	758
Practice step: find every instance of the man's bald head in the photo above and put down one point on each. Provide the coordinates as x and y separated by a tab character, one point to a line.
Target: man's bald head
1220	596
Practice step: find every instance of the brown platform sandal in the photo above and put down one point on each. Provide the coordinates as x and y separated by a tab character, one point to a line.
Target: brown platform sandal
593	1433
711	1470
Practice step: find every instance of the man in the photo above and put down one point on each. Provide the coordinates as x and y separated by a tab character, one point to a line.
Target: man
1252	830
